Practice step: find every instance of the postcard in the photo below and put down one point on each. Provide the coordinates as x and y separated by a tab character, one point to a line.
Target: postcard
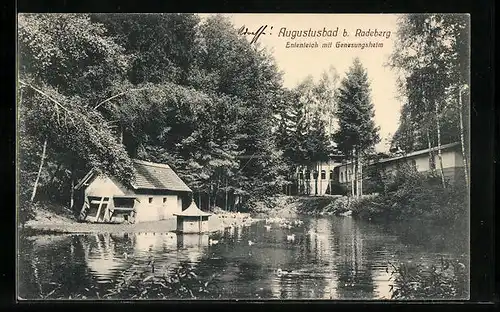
243	156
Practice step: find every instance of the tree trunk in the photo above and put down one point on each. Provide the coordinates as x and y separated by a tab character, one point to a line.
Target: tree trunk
360	176
44	150
355	173
316	180
441	171
209	195
431	155
72	194
225	205
352	177
121	134
462	139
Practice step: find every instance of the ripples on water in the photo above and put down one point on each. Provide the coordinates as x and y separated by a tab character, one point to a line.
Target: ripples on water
344	258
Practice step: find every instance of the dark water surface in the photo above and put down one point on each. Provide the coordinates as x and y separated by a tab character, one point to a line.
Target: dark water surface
345	258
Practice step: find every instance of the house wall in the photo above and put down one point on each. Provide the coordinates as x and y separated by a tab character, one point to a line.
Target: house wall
307	184
192	225
157	209
452	166
104	186
345	172
422	163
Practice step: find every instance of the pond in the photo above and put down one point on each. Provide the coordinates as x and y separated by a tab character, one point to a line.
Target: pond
328	258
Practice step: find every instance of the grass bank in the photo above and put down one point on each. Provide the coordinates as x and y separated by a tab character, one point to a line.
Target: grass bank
51	220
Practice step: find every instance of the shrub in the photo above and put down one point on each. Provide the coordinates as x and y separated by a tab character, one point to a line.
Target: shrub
339	205
410	194
26	212
145	283
446	280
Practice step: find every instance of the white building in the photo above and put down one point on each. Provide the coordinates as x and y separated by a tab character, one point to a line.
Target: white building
155	193
325	174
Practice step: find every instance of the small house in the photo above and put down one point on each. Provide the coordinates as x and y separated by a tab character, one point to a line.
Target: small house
192	220
155	193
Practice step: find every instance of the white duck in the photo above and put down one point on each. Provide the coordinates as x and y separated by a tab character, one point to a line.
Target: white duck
213	242
250	243
281	272
290	238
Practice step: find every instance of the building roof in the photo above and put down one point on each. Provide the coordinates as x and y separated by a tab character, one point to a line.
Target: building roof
155	176
416	153
420	152
192	211
148	176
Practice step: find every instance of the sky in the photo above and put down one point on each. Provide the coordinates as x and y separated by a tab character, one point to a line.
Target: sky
300	62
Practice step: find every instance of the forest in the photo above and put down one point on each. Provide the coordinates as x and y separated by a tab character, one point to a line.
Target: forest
97	90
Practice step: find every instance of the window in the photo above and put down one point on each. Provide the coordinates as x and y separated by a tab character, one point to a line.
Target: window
150	200
331	174
348	175
315	174
342	177
323	174
164	199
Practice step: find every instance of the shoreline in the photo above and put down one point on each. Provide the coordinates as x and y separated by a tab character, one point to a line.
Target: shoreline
217	222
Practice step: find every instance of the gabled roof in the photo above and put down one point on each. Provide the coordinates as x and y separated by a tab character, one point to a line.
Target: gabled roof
155	176
148	176
192	211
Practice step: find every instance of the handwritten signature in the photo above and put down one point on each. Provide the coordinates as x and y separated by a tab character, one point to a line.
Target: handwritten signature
256	34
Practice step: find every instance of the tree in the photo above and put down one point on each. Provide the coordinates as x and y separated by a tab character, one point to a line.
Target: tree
433	57
357	132
66	65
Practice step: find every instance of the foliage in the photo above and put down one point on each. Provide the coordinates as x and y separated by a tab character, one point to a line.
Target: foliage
161	47
182	283
448	279
339	205
357	129
410	194
432	56
101	89
140	283
306	117
71	54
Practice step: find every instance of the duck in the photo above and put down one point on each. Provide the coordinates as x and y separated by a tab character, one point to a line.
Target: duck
290	237
281	272
250	243
213	242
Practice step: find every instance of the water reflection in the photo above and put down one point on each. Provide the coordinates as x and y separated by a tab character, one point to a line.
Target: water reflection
329	258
